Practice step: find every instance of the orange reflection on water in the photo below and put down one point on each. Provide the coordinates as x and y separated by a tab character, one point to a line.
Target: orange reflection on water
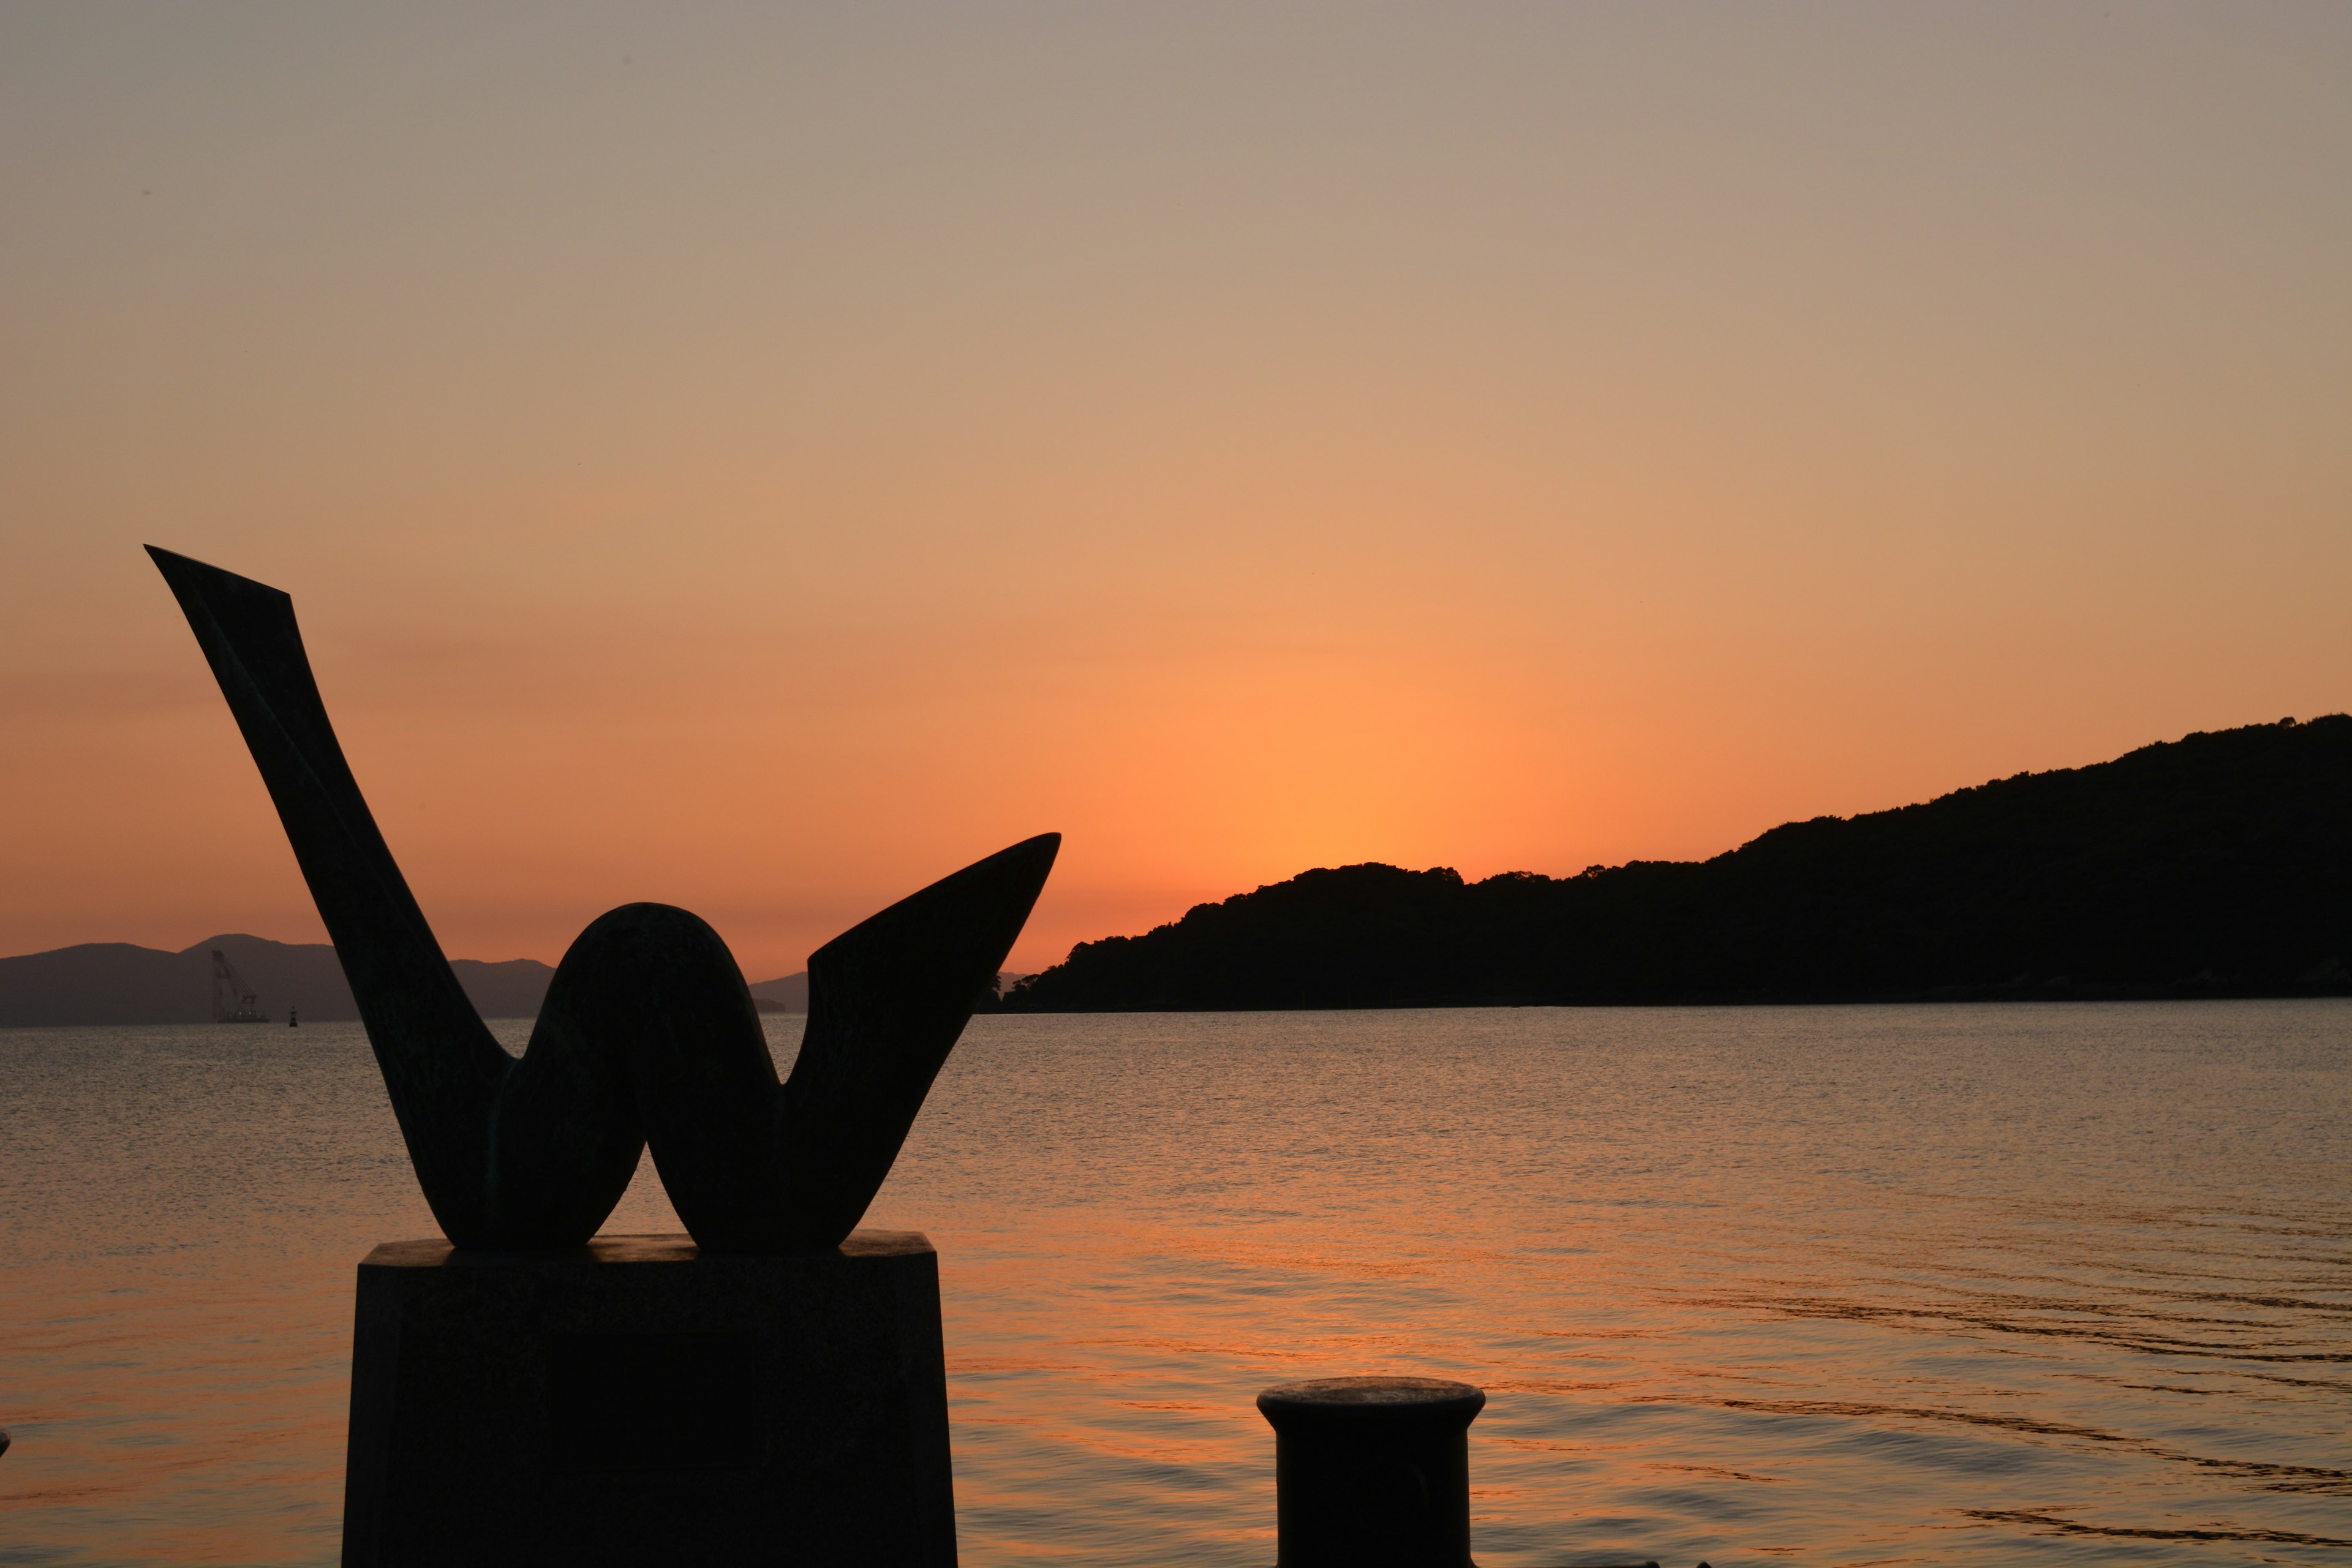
1928	1285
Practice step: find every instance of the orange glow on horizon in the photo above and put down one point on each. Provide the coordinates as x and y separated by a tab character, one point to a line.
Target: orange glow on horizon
771	474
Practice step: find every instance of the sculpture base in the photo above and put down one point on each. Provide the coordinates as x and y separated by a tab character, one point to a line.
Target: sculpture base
636	1401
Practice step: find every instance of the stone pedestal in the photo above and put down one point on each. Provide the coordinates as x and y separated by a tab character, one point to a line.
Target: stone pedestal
635	1401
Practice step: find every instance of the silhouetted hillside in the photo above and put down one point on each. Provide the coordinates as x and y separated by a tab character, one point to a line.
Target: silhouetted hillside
2218	865
115	982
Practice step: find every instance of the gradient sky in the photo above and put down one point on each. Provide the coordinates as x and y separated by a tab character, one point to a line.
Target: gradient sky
763	459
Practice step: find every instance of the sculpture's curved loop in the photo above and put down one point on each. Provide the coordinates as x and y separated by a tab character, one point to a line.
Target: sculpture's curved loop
647	1032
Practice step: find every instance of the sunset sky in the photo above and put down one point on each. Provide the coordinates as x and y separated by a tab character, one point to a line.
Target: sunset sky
763	459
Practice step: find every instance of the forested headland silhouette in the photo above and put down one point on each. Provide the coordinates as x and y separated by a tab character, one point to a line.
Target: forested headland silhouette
2218	865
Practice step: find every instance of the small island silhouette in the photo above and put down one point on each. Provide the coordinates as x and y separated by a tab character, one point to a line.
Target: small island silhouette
117	983
2218	864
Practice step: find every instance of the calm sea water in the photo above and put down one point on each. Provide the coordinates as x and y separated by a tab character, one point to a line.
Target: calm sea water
1851	1286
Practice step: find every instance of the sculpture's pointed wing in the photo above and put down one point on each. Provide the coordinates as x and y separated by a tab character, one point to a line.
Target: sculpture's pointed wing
440	1065
887	1001
684	1055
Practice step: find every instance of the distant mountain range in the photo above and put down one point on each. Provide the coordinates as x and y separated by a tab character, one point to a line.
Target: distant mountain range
789	994
2220	864
115	982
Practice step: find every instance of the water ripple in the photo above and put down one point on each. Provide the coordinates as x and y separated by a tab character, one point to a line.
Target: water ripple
1850	1286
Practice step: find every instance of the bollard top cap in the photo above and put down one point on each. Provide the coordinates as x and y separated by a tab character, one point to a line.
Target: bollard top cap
1378	1399
1373	1390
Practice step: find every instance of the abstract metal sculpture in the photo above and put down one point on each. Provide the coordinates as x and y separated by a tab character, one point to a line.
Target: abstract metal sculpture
647	1035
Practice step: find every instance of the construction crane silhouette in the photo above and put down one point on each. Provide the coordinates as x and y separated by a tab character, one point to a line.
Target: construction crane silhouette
234	1002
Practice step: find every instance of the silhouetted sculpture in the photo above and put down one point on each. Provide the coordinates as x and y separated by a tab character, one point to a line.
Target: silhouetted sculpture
648	1034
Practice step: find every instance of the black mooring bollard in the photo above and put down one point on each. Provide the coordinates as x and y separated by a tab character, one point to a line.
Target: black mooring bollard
1371	1472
